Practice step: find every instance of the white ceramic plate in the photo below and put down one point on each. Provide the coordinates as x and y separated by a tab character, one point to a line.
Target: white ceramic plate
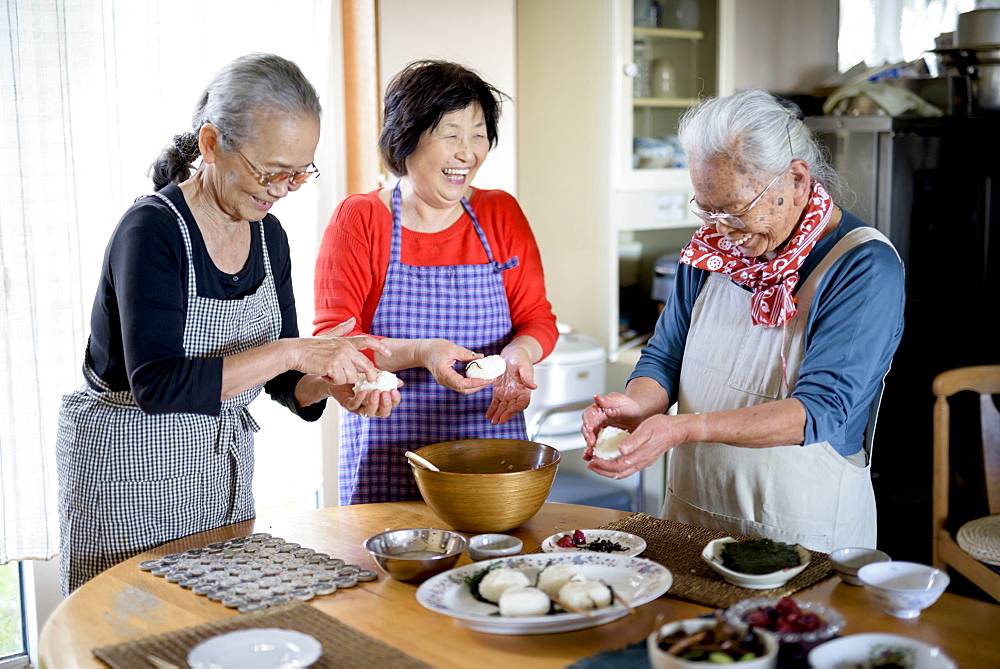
713	556
855	649
262	648
633	545
636	580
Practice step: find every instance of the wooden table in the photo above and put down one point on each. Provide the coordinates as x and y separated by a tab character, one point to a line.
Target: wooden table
126	603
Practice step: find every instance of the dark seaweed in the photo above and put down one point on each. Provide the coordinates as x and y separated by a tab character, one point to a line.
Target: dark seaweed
758	556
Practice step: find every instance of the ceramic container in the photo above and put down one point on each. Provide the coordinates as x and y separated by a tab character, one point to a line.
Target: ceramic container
660	659
847	562
903	589
489	546
712	554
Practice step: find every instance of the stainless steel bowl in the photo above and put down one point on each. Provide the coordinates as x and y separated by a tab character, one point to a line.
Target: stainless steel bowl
416	554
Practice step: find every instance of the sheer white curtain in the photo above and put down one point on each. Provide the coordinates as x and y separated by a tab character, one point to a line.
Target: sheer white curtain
889	31
89	92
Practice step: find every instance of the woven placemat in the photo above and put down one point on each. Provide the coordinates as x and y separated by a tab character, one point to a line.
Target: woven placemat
678	547
343	646
980	538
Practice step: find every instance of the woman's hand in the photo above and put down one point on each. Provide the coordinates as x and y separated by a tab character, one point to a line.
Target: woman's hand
647	444
367	403
439	356
336	358
512	389
614	409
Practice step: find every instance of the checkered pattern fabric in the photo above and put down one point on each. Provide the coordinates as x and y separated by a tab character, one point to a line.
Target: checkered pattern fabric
129	480
466	304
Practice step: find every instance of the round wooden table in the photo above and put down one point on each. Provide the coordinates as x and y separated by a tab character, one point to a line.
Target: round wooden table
125	603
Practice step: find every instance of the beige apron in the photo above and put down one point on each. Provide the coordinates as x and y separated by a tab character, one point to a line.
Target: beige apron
808	494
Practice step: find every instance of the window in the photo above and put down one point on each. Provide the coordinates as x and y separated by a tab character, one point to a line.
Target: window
13	652
889	31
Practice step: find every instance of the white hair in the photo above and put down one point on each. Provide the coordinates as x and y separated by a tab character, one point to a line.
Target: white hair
758	131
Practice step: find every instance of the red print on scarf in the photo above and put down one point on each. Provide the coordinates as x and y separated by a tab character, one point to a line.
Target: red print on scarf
772	281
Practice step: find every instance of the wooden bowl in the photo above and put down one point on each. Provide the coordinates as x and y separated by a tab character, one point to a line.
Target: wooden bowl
486	485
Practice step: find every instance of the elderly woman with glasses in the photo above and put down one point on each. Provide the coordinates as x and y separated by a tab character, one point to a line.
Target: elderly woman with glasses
447	273
785	315
194	316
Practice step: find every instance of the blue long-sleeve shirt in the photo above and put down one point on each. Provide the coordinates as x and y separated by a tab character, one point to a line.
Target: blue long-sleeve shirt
137	321
853	329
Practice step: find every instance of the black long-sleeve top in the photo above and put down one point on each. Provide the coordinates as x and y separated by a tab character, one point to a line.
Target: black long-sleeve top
137	323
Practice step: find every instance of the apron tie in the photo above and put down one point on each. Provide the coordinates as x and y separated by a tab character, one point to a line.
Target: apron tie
233	421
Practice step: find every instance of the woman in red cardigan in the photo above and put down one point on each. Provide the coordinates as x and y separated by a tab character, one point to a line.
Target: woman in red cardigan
445	273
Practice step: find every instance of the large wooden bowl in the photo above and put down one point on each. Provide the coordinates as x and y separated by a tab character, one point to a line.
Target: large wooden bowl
486	485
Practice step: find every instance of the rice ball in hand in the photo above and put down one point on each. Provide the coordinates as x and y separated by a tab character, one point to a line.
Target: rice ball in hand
496	582
608	441
384	381
521	602
585	594
489	367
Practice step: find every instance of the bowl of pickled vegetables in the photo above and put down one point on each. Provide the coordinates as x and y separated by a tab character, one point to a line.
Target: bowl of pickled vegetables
698	642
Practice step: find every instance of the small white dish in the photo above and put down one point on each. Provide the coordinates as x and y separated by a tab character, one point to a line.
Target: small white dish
903	589
847	562
489	546
856	650
632	544
712	554
259	648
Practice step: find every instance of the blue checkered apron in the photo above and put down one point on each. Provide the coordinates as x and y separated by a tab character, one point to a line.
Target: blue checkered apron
466	304
129	480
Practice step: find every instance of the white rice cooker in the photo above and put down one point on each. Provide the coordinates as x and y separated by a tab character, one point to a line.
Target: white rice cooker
567	381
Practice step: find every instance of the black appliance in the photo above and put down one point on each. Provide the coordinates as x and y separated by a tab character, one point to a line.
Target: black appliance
932	185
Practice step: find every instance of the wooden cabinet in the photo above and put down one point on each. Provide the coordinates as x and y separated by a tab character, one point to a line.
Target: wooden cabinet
604	201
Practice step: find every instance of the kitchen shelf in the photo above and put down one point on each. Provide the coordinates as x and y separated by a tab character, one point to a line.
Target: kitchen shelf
671	103
670	33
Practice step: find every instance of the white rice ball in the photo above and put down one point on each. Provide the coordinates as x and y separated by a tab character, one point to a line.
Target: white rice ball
520	602
585	594
608	441
489	367
384	381
555	576
493	585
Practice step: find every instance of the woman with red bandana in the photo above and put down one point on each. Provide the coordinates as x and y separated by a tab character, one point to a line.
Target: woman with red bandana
786	313
445	272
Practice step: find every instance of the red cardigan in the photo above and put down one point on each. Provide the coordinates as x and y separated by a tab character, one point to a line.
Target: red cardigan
354	255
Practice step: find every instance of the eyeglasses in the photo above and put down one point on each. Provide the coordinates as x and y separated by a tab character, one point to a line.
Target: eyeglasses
732	220
267	179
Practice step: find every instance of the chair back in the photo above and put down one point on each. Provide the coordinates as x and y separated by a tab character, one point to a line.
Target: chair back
984	380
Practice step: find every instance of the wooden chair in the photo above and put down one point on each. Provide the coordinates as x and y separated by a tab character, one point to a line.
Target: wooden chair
985	380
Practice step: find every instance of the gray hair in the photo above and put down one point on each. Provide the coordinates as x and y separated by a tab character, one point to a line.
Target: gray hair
760	132
232	102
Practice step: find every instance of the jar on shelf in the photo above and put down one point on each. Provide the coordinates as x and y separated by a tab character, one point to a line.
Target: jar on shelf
664	78
641	81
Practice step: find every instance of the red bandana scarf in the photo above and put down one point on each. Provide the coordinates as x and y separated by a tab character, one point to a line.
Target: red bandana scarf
773	281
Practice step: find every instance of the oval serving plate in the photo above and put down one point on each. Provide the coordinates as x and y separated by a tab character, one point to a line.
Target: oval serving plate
636	580
632	544
857	649
259	648
775	579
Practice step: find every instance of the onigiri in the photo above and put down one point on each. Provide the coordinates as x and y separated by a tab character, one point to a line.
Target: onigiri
526	601
384	381
608	441
489	367
495	582
585	594
554	577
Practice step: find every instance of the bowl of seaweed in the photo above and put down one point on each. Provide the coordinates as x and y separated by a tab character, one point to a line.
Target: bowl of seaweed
756	564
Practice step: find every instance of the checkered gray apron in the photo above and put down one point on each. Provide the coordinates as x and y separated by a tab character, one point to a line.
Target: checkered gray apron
129	480
466	304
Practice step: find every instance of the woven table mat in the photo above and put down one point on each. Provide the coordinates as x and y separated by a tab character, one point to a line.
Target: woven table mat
343	646
678	547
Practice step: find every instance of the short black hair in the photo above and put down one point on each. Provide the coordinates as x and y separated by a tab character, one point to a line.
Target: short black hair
423	92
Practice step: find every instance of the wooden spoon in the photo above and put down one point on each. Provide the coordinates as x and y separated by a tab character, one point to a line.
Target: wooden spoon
421	462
